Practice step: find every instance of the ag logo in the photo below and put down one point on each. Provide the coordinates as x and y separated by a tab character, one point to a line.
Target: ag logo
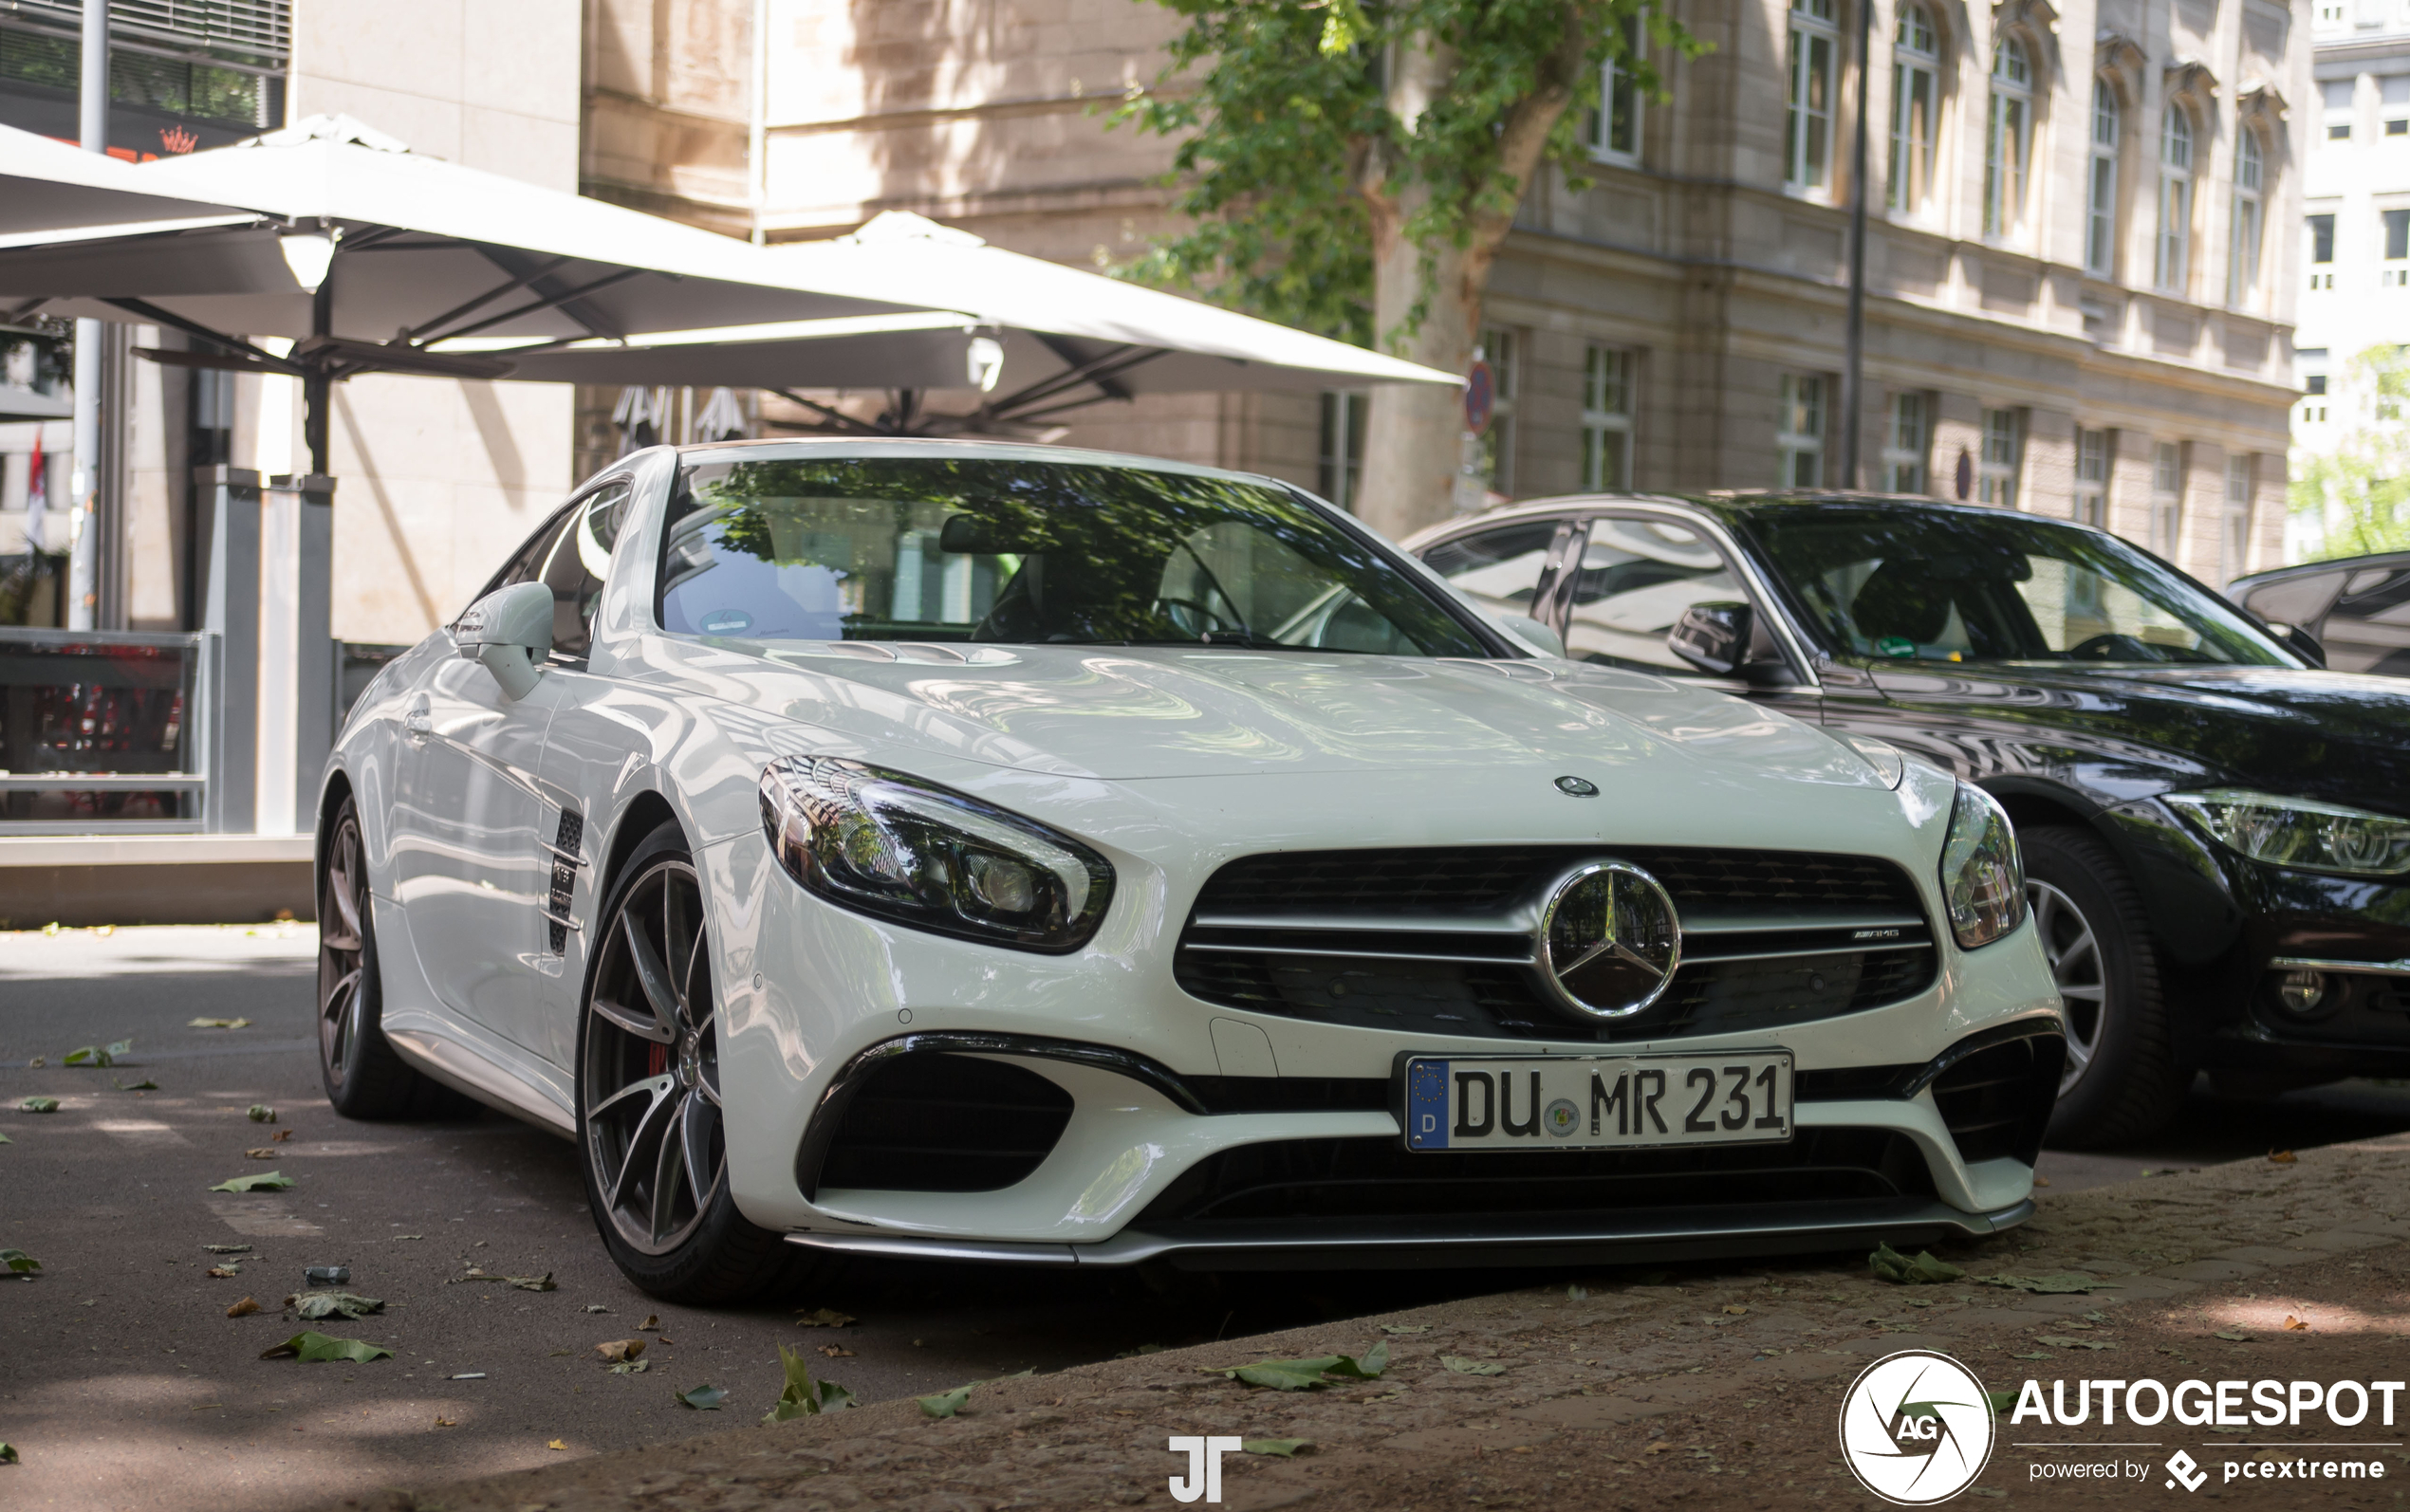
1915	1427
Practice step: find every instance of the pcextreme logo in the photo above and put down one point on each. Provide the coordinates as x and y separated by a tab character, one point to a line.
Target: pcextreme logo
1915	1427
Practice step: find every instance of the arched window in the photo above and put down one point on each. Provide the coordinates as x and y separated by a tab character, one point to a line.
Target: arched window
2008	139
2175	200
2242	255
1916	106
2100	224
1807	122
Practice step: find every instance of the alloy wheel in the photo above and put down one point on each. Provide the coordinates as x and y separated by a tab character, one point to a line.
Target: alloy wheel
651	1081
341	946
2073	950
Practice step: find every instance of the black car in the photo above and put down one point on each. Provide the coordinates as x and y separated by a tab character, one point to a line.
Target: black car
2215	830
2356	608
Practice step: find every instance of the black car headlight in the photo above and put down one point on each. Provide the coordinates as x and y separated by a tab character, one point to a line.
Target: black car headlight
1982	879
2299	832
896	847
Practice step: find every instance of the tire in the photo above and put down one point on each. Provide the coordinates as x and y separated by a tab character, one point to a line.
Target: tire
365	1076
2122	1081
651	1145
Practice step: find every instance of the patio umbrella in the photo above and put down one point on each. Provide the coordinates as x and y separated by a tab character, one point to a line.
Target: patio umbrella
47	186
1048	337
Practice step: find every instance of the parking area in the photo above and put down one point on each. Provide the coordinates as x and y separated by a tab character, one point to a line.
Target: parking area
129	1385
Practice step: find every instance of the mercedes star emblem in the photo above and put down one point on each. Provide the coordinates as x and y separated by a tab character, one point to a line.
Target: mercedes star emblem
1609	940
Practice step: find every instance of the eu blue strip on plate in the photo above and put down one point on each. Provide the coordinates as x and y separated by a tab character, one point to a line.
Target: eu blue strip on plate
1427	1104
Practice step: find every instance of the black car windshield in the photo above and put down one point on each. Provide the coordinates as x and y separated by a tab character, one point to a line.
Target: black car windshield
1016	551
1950	585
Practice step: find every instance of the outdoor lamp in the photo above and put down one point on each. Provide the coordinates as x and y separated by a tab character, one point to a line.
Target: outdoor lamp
985	361
308	254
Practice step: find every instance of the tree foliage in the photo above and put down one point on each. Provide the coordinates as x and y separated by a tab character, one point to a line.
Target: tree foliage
2360	486
1297	139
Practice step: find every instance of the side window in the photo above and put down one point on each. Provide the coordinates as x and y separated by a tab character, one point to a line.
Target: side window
576	562
1499	569
2369	629
1635	579
526	564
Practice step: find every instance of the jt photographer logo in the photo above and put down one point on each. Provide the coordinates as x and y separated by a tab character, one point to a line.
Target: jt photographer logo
1915	1427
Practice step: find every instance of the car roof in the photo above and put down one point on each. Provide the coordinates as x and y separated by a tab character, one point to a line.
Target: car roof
910	446
1733	505
2311	569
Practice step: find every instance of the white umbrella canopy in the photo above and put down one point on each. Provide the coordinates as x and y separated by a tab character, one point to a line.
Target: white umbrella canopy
49	187
1065	337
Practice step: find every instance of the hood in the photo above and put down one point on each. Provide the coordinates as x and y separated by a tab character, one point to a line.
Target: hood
1125	713
2336	736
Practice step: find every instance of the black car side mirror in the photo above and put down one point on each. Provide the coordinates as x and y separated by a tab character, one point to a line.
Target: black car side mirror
1713	637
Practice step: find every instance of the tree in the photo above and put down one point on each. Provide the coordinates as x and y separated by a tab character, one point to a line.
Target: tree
1353	166
2359	489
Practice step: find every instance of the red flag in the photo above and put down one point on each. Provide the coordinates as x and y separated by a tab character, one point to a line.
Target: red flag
37	495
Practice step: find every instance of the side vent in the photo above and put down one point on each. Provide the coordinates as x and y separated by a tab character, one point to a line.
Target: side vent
565	879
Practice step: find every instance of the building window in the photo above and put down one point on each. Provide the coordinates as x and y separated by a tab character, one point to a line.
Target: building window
1996	481
1799	438
2337	94
2091	478
1342	446
1615	126
2008	139
2393	101
1500	350
2167	498
2311	362
2242	256
2100	233
1906	444
1808	124
1915	104
2175	200
2322	250
2234	559
2395	273
1607	419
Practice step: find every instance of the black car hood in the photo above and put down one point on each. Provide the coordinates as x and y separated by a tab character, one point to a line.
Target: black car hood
2336	736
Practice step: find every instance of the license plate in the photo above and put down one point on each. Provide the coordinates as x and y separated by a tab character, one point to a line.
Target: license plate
1596	1102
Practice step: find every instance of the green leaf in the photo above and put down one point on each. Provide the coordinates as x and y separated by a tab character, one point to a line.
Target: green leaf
1285	1449
2232	1336
803	1396
315	1305
5	1140
945	1404
702	1398
89	1056
265	1181
1472	1367
7	1453
146	1084
220	1023
318	1349
39	1105
18	1261
1310	1375
1889	1264
628	1366
260	1112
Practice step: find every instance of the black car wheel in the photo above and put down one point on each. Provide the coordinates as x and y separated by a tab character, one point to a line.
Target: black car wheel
2122	1081
364	1078
650	1140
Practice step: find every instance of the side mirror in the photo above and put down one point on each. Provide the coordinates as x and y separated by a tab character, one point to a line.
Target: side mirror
509	631
1713	637
2304	645
1527	629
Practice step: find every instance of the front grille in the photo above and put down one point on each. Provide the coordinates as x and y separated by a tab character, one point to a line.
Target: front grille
1370	1180
945	1124
1440	942
1997	1102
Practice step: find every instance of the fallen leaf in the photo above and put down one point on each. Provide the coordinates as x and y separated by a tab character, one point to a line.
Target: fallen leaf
318	1348
220	1023
1308	1374
5	1140
652	1323
1889	1264
1738	1311
243	1309
264	1152
703	1398
803	1396
558	1444
228	1250
398	1238
2296	1325
1472	1367
1285	1449
836	1352
628	1366
315	1305
2060	1341
96	1057
223	1272
946	1404
531	1283
18	1262
1405	1328
280	1136
596	1307
1575	1293
2065	1282
2282	1157
620	1349
7	1453
2232	1336
260	1112
146	1084
265	1181
2036	1355
822	1317
2040	1180
445	1422
39	1105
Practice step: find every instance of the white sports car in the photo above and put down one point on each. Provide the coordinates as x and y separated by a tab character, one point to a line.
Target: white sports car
1016	854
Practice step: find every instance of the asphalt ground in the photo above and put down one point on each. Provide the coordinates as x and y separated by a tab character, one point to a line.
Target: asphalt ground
126	1385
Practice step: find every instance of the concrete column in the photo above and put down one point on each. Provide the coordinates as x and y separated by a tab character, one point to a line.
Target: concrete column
230	609
314	662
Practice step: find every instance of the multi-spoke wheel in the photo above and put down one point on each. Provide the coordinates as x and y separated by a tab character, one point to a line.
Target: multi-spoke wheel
650	1133
2122	1079
364	1078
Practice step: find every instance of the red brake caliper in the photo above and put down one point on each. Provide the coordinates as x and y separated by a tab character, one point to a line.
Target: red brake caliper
656	1060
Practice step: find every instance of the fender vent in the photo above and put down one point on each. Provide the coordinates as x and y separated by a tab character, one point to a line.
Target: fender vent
945	1124
564	878
1997	1102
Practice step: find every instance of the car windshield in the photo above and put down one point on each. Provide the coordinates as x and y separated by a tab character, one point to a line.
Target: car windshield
1943	586
1012	551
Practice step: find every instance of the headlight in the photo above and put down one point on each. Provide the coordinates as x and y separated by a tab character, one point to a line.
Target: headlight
900	848
2299	832
1982	880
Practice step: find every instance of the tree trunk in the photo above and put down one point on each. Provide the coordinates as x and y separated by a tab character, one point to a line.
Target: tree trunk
1414	441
